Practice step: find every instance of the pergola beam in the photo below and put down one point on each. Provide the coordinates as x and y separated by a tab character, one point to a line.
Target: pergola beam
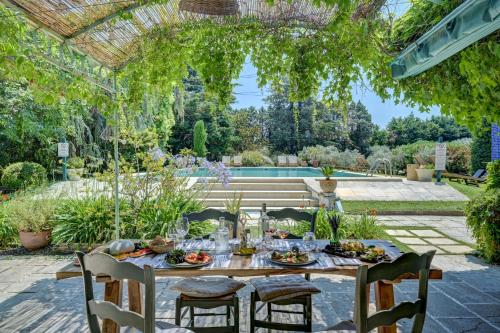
107	18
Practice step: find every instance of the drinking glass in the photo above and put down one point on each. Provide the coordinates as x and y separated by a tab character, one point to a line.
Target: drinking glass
172	233
309	241
182	228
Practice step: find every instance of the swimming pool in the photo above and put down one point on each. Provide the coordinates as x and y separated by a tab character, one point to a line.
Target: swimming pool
276	172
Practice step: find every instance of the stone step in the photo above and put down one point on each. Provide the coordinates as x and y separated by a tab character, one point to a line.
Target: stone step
249	194
270	202
261	180
257	186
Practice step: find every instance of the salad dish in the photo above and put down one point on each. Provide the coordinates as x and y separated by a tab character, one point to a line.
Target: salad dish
292	258
356	249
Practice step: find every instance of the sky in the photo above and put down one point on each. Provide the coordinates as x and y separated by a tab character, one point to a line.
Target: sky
247	94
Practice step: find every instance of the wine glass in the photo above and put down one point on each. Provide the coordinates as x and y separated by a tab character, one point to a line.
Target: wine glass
283	233
182	228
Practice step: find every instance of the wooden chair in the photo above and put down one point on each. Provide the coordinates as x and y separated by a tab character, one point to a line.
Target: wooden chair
101	263
296	215
215	214
408	263
478	177
231	301
305	301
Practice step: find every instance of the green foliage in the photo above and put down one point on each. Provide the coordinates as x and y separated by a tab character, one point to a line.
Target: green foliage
200	137
28	212
364	227
483	216
86	221
481	149
254	158
23	175
8	231
76	163
327	171
464	86
493	181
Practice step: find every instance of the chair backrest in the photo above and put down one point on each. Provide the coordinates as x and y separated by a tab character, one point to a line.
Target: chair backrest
226	160
296	215
292	159
101	263
215	214
237	160
282	159
408	263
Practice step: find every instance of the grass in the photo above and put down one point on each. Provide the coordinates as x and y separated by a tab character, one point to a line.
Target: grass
356	207
470	191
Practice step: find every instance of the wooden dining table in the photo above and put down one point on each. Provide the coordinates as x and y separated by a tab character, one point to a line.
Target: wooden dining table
250	266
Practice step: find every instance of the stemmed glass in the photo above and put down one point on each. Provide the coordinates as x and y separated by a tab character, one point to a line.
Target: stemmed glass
309	241
182	228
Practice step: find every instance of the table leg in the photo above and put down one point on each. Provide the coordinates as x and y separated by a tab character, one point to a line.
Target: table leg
384	299
112	293
134	296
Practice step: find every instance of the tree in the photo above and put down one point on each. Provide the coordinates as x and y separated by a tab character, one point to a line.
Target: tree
200	138
481	149
249	129
360	127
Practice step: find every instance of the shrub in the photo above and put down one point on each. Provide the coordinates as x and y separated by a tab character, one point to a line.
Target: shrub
330	155
254	158
23	175
8	231
363	227
29	213
86	221
75	163
483	216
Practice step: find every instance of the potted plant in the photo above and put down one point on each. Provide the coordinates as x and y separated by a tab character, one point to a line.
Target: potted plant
32	216
75	168
334	220
328	185
425	172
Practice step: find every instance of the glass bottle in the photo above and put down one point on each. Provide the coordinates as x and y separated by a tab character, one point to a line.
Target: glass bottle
222	237
263	221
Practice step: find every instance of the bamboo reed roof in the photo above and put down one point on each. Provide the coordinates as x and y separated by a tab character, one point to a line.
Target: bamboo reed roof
109	30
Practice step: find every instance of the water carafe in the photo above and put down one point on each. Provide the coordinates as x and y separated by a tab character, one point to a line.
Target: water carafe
222	237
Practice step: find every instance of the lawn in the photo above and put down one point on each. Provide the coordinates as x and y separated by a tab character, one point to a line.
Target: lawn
468	190
354	207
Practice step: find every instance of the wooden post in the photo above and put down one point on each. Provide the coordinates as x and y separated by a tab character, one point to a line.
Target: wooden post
134	296
112	293
384	299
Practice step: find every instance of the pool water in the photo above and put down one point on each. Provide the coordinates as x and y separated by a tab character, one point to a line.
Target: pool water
276	172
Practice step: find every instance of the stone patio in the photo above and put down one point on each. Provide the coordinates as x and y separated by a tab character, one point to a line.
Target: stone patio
466	300
397	190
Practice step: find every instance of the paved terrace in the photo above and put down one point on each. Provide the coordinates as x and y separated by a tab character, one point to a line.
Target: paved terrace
466	300
397	190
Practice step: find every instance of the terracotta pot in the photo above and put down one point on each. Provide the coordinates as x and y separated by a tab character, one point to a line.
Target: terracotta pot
315	163
34	240
328	186
425	175
411	171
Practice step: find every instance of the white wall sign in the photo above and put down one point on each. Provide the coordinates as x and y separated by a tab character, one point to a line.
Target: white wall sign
63	149
440	156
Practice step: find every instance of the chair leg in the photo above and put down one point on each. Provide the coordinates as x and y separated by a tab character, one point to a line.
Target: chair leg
178	311
228	315
308	314
269	312
236	315
191	315
252	312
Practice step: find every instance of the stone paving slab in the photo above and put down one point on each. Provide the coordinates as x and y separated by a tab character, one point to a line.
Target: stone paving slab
426	233
458	249
397	191
425	248
466	300
410	240
440	241
394	232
